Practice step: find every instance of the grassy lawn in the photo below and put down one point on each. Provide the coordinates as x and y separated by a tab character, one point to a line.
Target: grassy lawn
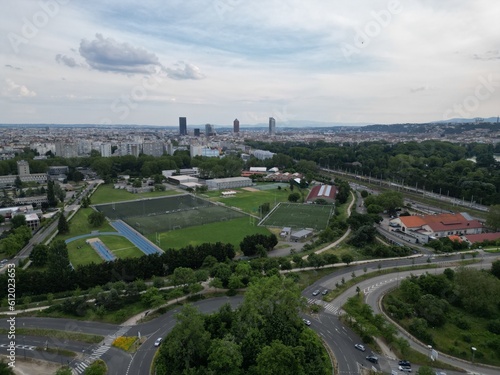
107	194
226	231
121	247
79	225
249	201
298	215
81	253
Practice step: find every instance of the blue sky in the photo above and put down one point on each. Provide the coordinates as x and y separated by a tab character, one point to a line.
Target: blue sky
149	62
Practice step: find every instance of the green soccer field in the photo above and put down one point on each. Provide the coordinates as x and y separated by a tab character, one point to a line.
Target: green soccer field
296	216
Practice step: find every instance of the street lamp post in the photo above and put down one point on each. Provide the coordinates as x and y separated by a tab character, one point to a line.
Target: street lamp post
473	349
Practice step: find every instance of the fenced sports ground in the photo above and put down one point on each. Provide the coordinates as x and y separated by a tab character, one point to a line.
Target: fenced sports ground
296	215
163	214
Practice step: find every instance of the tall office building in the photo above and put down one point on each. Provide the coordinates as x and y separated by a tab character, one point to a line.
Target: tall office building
272	126
209	130
183	126
236	126
197	132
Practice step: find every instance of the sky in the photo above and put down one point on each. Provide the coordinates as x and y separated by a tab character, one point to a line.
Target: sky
150	62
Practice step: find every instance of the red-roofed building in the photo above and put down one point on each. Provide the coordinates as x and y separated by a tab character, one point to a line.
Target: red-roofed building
326	192
439	226
474	238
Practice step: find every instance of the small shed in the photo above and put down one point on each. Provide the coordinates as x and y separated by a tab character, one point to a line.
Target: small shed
301	235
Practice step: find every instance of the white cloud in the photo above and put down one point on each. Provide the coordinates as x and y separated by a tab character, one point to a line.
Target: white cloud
13	90
182	70
106	54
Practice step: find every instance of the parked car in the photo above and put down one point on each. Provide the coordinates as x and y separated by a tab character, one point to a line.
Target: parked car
372	358
324	292
404	363
158	341
360	347
405	368
306	322
316	292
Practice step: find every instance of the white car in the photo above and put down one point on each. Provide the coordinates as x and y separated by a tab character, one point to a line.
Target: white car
405	368
158	341
360	347
306	322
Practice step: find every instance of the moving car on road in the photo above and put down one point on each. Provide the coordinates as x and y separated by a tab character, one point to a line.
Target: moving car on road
316	292
360	347
158	341
372	358
306	322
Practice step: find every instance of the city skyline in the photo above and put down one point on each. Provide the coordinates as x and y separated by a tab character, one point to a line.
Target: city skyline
151	63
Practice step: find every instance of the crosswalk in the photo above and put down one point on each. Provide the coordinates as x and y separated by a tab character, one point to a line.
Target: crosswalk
332	309
81	366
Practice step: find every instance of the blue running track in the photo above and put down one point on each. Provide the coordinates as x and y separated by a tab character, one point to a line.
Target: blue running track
146	246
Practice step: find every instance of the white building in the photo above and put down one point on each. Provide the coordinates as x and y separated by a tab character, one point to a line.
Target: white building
105	150
262	154
228	183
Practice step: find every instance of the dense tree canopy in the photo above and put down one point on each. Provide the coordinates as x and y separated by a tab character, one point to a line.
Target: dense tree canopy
265	335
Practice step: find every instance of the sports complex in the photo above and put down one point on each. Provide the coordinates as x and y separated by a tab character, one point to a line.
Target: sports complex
156	215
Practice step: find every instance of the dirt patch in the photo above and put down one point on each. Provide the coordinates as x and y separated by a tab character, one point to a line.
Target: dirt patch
250	189
30	366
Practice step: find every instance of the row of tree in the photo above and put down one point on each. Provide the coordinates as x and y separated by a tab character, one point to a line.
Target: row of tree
61	276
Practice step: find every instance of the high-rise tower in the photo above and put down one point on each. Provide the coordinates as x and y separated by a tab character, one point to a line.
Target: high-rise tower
236	126
272	126
183	126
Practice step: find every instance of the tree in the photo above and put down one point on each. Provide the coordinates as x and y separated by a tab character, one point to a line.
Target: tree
495	268
18	221
18	183
39	255
96	219
493	217
51	196
183	276
62	224
59	270
152	297
224	356
432	309
479	291
293	197
278	359
5	369
347	258
187	344
64	371
59	192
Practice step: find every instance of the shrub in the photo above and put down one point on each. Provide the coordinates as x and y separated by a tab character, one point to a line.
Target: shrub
124	342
